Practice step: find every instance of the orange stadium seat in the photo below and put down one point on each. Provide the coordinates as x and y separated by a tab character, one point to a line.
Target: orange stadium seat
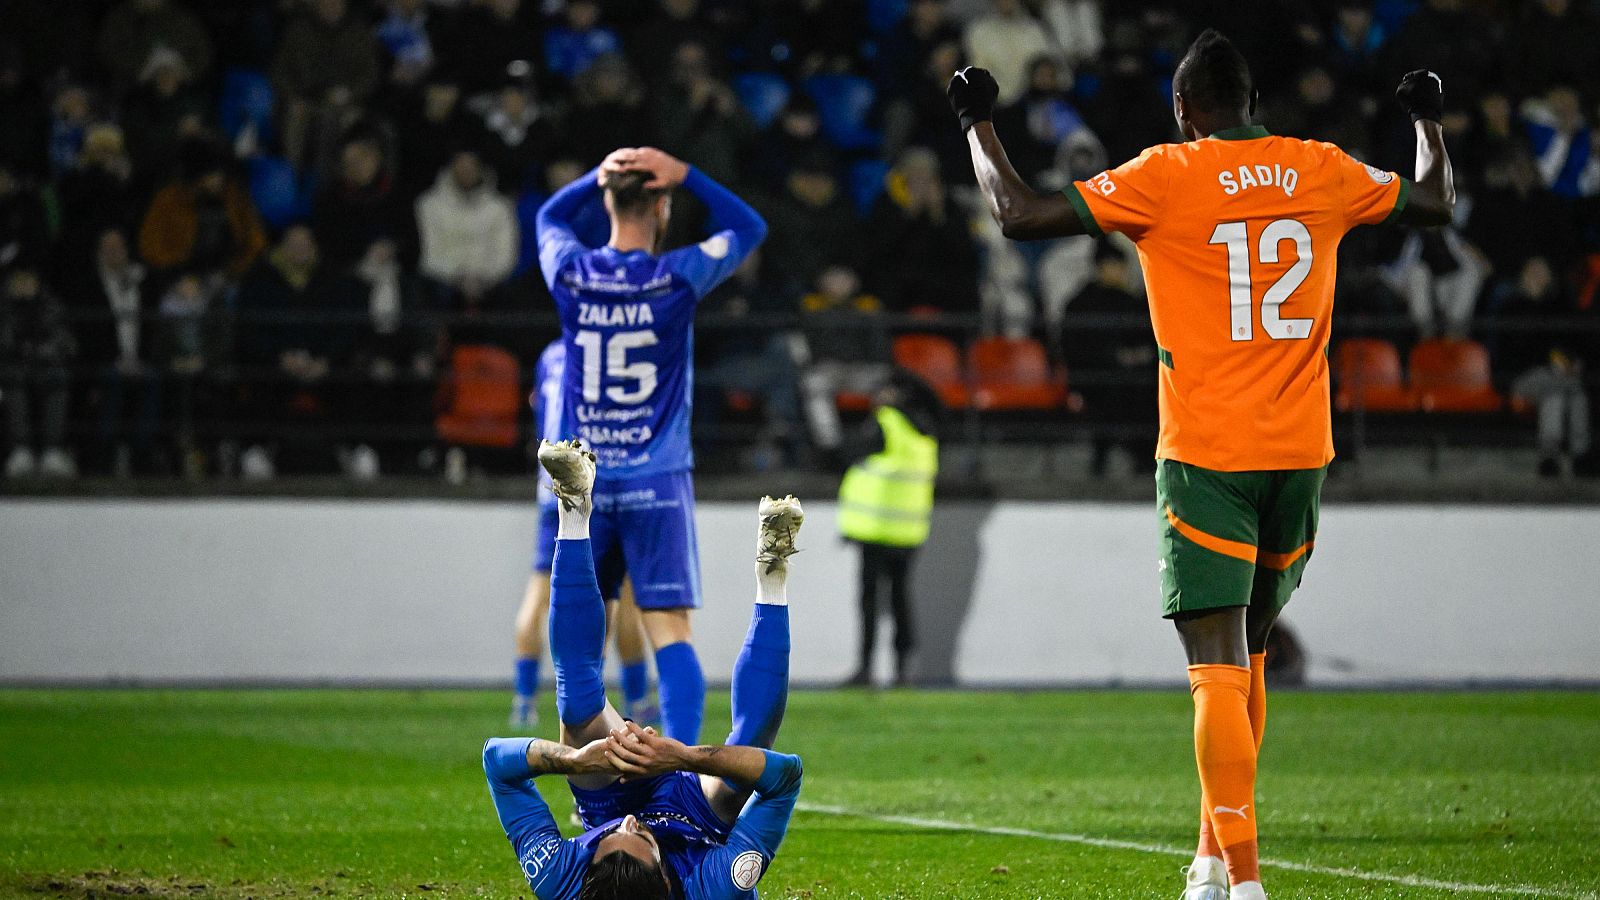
1453	376
1368	372
482	398
851	401
937	361
1013	374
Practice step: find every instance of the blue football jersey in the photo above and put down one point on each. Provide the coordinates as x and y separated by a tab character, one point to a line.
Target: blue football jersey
707	859
627	320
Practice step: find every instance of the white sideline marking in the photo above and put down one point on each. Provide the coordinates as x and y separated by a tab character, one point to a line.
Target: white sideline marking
1113	844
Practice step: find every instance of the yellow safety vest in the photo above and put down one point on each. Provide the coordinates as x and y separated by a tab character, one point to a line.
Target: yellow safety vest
887	498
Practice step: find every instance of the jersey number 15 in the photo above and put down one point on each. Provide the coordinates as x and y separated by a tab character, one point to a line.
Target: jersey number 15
617	367
1236	235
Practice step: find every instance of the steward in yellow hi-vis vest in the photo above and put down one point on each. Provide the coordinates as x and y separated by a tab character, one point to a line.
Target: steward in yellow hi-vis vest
886	506
887	498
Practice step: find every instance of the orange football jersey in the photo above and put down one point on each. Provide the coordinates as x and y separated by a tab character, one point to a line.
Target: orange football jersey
1239	238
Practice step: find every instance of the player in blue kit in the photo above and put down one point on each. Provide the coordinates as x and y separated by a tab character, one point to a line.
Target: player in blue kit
627	320
665	821
626	627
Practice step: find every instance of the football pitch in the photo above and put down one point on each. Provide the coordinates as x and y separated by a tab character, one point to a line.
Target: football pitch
263	794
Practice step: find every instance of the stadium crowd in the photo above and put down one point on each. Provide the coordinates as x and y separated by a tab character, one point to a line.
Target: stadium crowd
255	236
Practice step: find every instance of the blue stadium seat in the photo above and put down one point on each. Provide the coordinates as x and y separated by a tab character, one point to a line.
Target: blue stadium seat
884	16
276	189
763	94
843	104
247	97
866	183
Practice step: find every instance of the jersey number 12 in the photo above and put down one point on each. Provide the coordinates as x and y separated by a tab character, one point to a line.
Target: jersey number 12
1236	235
617	366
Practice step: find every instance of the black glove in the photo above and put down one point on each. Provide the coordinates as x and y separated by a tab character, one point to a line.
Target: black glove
972	93
1421	93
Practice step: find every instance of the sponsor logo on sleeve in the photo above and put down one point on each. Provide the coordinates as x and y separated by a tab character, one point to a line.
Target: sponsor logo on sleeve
747	869
715	246
1379	175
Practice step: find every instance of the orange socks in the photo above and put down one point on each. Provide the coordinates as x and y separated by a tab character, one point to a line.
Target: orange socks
1258	727
1225	750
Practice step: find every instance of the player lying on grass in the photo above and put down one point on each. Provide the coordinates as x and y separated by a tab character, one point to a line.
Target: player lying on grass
1239	234
665	821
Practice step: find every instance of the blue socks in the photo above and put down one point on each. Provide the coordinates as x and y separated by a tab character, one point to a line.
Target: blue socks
761	678
683	690
577	633
635	684
526	683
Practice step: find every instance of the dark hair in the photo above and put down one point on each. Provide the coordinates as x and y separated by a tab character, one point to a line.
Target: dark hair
629	196
1213	76
622	876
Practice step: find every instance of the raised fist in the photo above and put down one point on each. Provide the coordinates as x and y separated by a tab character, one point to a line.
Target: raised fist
972	94
1422	94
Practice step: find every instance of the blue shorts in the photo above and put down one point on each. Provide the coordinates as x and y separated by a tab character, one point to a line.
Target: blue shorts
544	540
674	802
644	528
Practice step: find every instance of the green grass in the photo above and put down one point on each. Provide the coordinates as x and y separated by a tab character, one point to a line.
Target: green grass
379	794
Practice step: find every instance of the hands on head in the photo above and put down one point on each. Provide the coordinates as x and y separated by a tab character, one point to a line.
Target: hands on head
666	171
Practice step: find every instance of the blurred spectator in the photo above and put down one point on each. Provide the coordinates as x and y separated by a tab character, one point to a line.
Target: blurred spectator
652	40
796	132
1319	111
394	361
579	40
1355	46
608	111
161	113
326	63
697	117
24	231
1515	219
1128	109
135	29
920	251
1035	126
1439	274
755	359
904	51
1105	336
812	227
1563	143
300	322
1496	136
1555	44
519	135
921	117
847	351
72	113
428	131
1006	42
802	38
361	206
1075	27
493	35
36	349
406	36
117	335
1449	38
98	194
1545	374
202	221
468	230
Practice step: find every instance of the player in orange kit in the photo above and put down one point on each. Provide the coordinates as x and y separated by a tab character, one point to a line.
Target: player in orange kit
1238	232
